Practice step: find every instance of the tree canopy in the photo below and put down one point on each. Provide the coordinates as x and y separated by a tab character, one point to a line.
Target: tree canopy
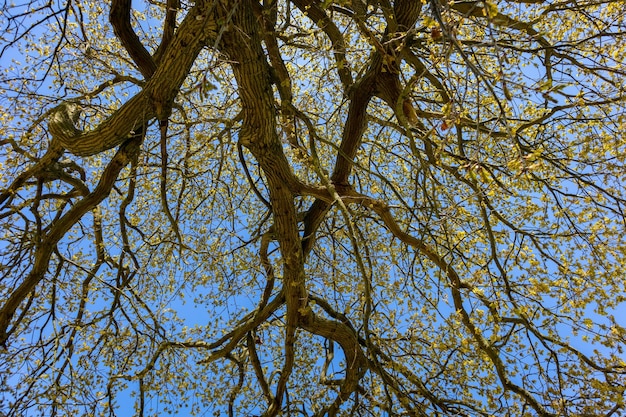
313	207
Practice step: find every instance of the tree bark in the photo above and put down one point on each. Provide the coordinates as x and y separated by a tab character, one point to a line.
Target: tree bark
197	29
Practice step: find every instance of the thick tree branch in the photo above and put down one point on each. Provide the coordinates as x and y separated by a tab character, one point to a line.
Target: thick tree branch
169	27
198	28
315	12
119	17
258	134
382	80
356	362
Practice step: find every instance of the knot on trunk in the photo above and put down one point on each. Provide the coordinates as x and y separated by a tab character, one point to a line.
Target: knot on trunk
62	124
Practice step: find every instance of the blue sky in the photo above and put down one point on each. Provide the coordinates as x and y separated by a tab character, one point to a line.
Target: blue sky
244	291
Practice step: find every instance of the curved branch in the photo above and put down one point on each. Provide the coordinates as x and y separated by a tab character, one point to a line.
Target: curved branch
232	396
169	26
258	369
456	285
119	16
58	229
315	12
198	28
356	362
380	80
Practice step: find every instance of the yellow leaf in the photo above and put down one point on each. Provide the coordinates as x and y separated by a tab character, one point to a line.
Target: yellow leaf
490	9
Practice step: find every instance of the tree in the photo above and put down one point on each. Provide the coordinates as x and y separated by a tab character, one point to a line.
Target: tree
303	207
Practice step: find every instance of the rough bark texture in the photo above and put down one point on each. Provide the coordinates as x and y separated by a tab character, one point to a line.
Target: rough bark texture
122	129
195	31
435	192
380	80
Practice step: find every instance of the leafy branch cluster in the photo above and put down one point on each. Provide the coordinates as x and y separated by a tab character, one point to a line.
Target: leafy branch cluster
313	207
